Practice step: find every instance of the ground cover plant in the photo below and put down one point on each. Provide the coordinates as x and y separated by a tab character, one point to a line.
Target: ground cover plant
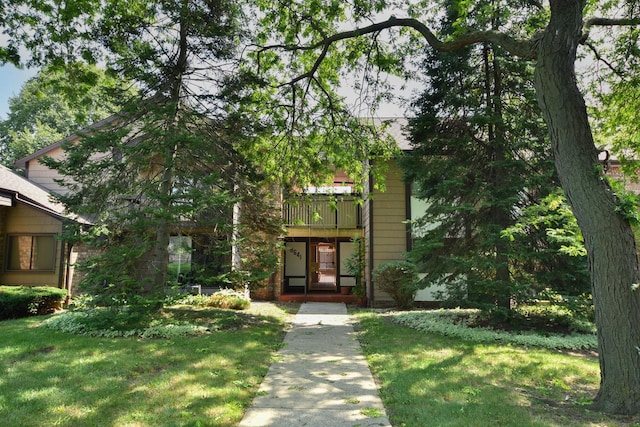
429	379
49	377
145	319
475	325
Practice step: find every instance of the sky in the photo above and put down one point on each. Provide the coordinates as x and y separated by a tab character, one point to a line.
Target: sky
11	81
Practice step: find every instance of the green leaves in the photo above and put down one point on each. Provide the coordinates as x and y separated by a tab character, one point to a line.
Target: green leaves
447	322
56	103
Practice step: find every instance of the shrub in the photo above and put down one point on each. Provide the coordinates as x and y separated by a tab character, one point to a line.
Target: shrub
399	279
228	298
554	317
356	263
23	301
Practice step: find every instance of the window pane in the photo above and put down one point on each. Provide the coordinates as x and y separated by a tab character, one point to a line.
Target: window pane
44	253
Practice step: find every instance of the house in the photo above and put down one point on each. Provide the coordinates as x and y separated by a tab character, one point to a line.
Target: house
30	228
320	226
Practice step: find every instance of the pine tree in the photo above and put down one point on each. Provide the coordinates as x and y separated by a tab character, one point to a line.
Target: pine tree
481	157
168	163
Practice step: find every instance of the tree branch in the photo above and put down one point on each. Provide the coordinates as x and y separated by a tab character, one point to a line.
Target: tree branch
523	48
601	59
610	22
606	22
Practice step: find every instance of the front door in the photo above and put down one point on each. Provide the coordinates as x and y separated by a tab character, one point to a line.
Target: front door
323	266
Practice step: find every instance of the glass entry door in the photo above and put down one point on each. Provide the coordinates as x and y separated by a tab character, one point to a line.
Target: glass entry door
322	266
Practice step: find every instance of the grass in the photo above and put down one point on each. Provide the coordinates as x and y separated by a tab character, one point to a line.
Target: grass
427	379
59	379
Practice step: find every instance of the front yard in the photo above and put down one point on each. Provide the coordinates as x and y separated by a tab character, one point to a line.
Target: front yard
427	379
208	379
50	378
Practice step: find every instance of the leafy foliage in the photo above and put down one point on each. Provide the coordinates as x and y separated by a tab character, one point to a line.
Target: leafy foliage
228	298
453	322
107	323
557	261
355	264
55	103
171	160
23	301
142	318
399	279
304	97
481	160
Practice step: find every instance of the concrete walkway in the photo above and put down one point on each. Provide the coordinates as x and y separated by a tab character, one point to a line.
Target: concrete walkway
320	378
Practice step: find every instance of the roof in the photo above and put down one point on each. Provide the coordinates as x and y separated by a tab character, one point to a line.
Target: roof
397	127
15	186
22	163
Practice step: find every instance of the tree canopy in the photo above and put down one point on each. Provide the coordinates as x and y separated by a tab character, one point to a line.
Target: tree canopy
476	238
300	53
55	103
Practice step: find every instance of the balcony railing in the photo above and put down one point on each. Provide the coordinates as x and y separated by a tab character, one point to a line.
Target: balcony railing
323	212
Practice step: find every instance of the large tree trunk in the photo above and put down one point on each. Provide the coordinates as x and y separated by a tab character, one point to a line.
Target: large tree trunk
609	239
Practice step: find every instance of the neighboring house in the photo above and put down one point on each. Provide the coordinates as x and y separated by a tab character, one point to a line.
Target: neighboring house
30	228
321	224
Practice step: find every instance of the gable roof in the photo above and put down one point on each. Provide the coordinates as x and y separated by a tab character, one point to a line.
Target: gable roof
394	126
397	127
22	163
14	186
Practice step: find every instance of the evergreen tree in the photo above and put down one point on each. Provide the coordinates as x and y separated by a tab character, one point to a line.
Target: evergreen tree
481	158
168	163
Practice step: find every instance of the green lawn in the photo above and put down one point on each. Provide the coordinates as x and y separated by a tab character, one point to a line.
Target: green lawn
50	378
427	379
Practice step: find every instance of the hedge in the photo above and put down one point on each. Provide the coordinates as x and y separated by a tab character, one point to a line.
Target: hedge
24	301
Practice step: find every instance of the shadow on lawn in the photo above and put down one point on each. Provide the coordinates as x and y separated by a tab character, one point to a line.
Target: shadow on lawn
428	379
52	378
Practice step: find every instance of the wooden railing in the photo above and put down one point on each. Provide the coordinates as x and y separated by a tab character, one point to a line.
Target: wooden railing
323	212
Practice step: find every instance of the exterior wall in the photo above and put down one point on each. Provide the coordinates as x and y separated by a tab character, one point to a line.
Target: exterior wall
45	177
385	228
4	212
24	219
616	173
